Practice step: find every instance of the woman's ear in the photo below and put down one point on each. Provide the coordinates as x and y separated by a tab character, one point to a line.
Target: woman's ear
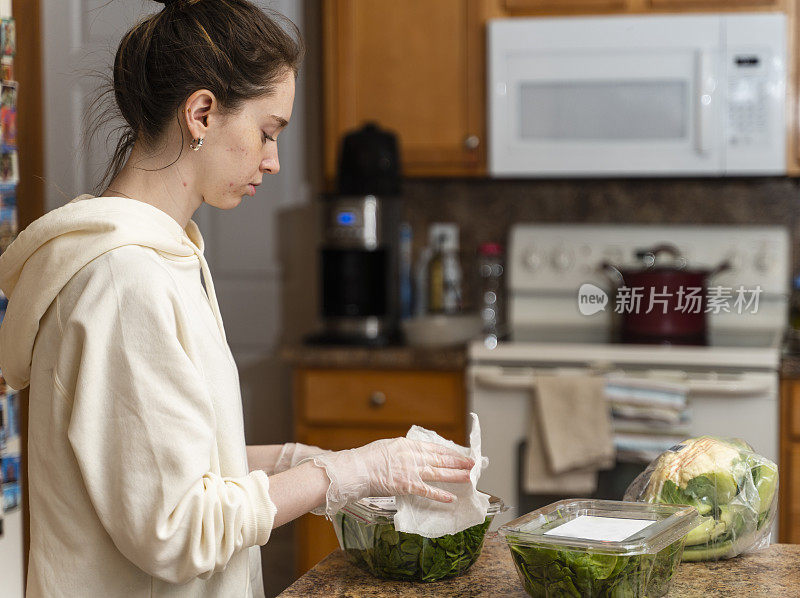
199	106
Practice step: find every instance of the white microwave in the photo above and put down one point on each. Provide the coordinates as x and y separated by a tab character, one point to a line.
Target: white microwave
686	95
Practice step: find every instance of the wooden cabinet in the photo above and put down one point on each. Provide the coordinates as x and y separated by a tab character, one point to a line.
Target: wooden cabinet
344	408
792	9
414	67
418	68
789	466
722	5
563	6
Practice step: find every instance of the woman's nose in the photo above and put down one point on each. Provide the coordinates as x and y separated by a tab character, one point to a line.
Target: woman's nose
271	164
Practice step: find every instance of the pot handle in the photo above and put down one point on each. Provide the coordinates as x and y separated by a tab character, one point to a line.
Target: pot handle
652	254
613	273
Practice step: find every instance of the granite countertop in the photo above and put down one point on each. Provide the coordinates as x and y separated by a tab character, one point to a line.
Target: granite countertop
772	572
391	357
790	366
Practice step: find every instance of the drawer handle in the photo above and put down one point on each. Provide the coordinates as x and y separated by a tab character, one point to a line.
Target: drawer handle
377	399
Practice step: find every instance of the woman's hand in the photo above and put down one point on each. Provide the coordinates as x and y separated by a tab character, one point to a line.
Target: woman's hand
391	467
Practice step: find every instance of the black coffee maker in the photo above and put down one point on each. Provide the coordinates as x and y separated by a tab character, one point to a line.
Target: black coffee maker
358	256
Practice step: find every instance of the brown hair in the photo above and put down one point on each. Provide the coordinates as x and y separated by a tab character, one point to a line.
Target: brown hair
230	47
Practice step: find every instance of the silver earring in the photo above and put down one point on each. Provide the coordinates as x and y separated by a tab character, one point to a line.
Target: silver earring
196	144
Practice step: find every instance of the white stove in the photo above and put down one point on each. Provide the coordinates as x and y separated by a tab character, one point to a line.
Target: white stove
732	382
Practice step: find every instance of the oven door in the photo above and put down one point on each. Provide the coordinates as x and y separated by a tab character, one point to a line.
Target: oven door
730	404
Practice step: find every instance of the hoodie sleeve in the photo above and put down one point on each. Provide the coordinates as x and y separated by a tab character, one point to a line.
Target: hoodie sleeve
143	430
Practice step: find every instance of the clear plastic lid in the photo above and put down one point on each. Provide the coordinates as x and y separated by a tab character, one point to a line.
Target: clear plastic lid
602	526
381	509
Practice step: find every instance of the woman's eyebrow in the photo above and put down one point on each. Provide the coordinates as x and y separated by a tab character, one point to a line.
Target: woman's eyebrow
282	122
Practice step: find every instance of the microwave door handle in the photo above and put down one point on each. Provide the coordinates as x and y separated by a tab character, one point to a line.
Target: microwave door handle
705	85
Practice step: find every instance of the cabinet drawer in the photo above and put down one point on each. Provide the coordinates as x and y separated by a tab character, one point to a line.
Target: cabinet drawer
714	4
381	397
565	6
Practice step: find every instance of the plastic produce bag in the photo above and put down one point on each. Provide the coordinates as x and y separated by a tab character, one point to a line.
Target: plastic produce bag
734	490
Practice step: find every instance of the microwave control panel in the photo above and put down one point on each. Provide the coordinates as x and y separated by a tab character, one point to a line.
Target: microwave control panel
748	100
754	105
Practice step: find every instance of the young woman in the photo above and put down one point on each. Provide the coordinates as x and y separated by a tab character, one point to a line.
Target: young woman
140	481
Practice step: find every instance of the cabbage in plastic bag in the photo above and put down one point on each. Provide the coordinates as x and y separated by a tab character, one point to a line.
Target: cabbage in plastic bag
734	489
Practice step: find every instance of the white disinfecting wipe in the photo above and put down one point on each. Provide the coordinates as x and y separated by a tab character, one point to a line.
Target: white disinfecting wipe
432	519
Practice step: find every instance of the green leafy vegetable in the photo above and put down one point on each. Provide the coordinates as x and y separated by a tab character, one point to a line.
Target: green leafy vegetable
550	573
389	554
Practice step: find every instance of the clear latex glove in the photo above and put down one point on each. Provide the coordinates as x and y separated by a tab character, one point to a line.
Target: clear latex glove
391	467
293	452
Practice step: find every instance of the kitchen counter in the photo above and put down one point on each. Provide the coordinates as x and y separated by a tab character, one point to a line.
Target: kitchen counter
790	365
772	572
790	357
394	357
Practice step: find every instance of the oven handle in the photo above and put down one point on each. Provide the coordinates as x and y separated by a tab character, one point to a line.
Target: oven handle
515	382
728	388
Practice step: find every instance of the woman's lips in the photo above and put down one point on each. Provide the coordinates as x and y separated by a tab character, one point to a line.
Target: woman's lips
251	189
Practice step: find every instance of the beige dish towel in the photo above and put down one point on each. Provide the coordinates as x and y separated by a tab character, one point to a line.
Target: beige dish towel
570	436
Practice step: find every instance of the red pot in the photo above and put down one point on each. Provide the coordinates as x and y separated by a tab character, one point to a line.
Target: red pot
662	302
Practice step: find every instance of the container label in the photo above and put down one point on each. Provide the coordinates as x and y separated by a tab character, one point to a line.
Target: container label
382	502
603	529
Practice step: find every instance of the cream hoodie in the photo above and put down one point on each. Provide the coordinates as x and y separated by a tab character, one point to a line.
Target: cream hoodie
138	475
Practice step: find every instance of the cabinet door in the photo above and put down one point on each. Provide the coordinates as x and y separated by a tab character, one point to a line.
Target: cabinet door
793	90
789	507
414	67
789	465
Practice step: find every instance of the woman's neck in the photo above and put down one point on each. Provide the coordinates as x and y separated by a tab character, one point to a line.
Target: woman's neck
146	177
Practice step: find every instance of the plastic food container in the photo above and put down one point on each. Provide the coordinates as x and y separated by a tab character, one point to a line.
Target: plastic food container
366	532
734	489
586	548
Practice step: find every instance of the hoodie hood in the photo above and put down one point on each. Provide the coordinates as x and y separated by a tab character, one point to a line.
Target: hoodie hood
47	254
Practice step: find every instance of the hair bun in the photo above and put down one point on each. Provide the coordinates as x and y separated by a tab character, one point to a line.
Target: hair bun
166	2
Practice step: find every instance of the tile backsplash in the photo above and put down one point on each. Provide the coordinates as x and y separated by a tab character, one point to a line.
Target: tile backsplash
485	209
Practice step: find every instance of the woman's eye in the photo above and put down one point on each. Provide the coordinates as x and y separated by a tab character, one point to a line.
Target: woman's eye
266	137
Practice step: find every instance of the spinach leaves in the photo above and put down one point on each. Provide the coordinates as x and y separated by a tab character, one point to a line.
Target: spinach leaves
389	554
550	573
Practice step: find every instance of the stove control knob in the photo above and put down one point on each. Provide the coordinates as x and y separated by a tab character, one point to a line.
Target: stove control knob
734	258
763	261
563	259
532	259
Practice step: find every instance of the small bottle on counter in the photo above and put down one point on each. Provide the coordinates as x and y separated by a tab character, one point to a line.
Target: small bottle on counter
444	271
492	299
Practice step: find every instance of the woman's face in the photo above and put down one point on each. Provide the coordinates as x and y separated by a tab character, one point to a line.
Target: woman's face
240	148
